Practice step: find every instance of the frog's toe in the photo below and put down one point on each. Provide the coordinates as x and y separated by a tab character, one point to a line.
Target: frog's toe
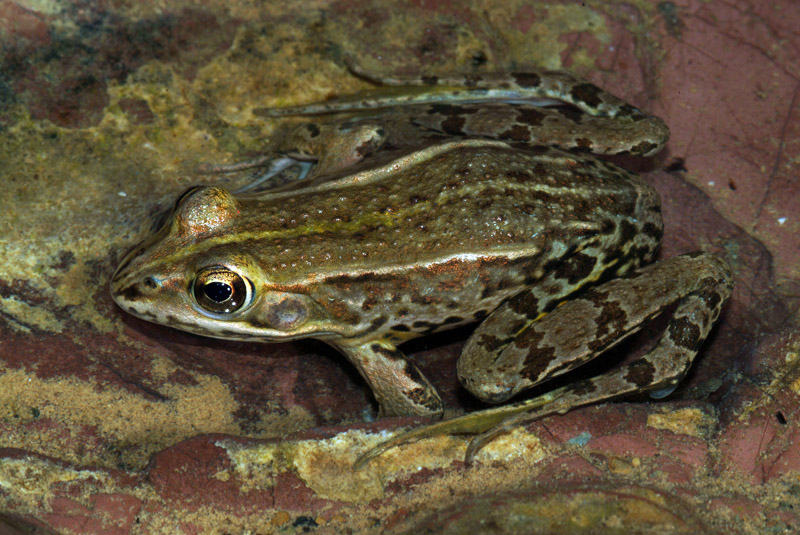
476	422
663	392
487	424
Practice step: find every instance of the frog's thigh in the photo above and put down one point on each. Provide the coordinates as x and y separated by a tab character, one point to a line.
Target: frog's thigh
398	385
581	328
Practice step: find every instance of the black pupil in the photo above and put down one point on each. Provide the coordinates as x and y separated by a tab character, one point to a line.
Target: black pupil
219	292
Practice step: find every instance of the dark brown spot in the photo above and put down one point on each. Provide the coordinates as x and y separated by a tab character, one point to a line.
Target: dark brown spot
530	116
610	325
641	373
488	292
369	302
573	114
627	231
582	388
626	110
430	80
422	299
685	334
368	147
515	133
576	268
424	326
401	328
710	296
131	293
491	343
553	264
527	79
525	304
643	148
453	125
538	358
312	129
422	397
479	58
652	230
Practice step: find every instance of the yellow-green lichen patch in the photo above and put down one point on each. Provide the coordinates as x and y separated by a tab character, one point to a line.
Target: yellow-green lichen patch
266	66
692	422
536	32
119	416
326	465
23	316
31	480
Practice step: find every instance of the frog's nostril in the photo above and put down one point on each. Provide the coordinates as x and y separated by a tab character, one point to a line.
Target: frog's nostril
150	283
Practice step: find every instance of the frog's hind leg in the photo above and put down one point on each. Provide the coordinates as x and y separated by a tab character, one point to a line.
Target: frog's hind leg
580	329
536	107
497	364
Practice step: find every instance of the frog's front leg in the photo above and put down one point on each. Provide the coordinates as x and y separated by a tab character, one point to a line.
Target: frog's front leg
334	146
315	148
577	331
400	388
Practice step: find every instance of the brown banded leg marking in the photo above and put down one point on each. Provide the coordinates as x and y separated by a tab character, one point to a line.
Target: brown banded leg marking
398	385
601	317
604	123
662	367
491	364
698	307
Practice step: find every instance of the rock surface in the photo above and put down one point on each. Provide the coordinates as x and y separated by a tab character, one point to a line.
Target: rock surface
110	425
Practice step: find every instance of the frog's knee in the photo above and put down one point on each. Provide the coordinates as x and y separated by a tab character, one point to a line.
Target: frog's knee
487	386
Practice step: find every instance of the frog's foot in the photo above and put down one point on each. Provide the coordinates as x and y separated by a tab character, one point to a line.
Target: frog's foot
278	171
491	423
481	423
398	385
217	169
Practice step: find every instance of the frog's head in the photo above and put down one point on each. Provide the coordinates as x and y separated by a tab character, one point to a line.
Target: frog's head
192	275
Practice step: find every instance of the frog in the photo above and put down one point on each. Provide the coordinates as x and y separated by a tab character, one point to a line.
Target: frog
430	203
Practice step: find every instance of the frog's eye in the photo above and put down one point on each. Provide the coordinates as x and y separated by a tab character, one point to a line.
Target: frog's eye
219	290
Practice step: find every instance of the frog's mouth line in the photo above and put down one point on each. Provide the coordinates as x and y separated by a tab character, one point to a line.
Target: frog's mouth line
247	333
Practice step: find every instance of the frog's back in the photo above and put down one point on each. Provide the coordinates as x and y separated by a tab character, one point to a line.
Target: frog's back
487	201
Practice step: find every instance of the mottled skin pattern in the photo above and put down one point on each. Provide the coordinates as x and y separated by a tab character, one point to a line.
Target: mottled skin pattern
451	207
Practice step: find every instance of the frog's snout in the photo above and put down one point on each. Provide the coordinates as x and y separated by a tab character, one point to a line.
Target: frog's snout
127	291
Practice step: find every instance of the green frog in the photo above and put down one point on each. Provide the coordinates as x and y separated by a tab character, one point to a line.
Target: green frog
428	204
